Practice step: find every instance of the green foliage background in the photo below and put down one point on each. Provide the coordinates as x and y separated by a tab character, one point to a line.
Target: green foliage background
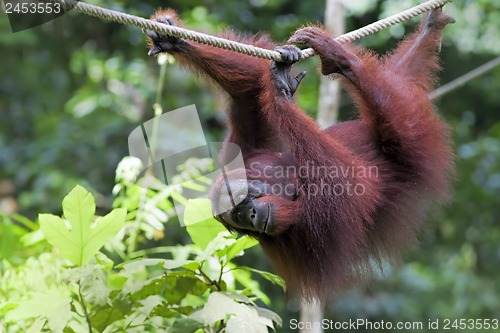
73	89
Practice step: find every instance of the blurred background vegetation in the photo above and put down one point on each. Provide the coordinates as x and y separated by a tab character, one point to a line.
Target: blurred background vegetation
72	90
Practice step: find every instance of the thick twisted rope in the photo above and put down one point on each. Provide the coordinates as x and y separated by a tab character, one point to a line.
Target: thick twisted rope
114	16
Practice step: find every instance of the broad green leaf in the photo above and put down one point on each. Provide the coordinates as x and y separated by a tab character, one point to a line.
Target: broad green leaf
102	317
242	317
185	325
245	279
219	244
201	232
266	275
50	304
82	239
197	210
237	248
218	307
79	205
164	310
168	311
116	282
273	316
173	287
192	266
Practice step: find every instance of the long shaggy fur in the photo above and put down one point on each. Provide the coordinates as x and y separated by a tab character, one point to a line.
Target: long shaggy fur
334	241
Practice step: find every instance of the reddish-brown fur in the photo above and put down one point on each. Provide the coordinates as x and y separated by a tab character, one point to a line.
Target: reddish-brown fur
333	241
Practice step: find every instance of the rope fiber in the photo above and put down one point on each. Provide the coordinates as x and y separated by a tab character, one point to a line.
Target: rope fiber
119	17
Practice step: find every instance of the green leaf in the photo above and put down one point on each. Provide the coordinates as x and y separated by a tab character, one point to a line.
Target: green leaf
116	282
266	275
242	317
197	210
237	248
164	310
104	316
51	304
185	325
219	244
65	330
168	311
203	232
173	287
273	316
245	279
82	239
192	266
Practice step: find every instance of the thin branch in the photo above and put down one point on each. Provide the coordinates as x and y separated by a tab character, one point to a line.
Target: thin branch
208	279
85	312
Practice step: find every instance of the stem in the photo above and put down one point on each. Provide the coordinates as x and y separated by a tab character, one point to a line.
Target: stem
209	281
221	272
161	80
85	312
157	112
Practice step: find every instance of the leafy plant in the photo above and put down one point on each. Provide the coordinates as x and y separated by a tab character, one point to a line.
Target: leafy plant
76	288
75	236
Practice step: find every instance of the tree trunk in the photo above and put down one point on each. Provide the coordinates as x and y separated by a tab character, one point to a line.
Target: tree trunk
329	97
